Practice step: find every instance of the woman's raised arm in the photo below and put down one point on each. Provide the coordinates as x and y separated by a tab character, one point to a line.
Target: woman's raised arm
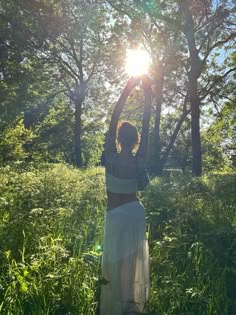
110	143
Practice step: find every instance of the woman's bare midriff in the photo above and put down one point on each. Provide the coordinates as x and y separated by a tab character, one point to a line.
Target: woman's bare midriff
117	200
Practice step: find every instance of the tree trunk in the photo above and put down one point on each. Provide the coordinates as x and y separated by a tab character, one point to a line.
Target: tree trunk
172	140
193	75
78	98
195	128
159	162
157	145
185	157
77	132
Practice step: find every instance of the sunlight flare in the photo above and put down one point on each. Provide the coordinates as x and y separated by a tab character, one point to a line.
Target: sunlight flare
137	62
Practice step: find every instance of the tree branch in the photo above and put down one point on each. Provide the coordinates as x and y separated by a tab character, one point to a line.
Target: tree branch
216	44
118	9
158	15
80	63
65	68
74	55
176	131
96	59
216	82
93	68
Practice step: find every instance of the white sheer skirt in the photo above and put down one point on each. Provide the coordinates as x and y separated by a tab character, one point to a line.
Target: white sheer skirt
125	262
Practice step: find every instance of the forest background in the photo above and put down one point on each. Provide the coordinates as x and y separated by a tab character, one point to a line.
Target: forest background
61	72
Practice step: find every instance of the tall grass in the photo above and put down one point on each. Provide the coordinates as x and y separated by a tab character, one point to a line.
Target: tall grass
51	226
193	244
51	229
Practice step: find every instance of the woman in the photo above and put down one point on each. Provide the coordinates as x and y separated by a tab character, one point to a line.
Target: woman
125	265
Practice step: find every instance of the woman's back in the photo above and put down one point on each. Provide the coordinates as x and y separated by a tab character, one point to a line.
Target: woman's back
122	165
121	179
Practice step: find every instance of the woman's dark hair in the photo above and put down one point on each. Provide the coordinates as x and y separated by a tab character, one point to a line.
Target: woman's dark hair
127	135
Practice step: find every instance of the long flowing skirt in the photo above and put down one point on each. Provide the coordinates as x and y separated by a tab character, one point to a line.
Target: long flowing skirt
125	262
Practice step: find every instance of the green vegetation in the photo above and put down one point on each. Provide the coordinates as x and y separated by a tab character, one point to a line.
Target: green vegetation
62	67
51	222
51	227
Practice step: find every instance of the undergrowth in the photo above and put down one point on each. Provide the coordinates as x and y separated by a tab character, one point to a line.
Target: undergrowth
51	229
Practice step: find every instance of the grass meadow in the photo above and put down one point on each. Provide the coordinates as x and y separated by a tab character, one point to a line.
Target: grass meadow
51	230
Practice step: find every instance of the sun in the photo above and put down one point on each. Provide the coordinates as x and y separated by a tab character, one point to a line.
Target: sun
137	62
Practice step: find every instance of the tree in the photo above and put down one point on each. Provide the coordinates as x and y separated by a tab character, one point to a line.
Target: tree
220	136
18	70
72	39
206	27
25	80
